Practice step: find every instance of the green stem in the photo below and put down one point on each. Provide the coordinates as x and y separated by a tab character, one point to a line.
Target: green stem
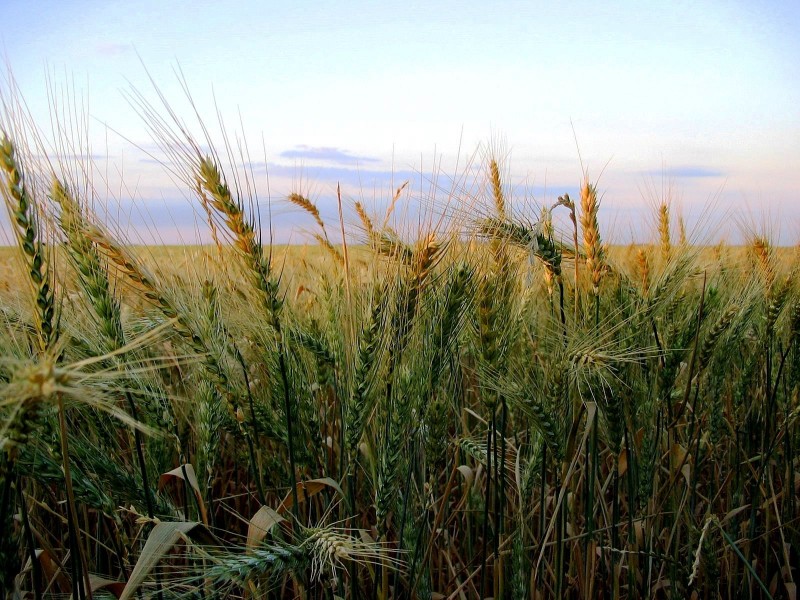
29	542
502	488
486	500
287	407
254	424
746	562
80	567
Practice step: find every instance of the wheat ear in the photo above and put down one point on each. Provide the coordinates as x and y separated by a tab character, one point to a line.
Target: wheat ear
308	206
664	232
590	206
25	218
497	190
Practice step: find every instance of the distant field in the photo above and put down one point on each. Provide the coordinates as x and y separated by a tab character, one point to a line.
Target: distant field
182	261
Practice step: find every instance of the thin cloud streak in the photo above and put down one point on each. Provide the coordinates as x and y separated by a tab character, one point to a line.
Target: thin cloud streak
112	48
346	176
688	172
327	154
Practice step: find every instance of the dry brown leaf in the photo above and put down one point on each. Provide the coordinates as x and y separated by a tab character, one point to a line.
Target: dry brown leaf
622	463
467	472
791	590
186	473
307	489
686	471
265	519
53	571
99	583
733	513
160	541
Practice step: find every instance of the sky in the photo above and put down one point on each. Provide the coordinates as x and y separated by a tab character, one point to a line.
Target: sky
698	101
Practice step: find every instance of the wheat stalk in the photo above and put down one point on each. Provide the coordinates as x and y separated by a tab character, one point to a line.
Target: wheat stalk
590	207
643	264
664	232
497	190
330	248
369	227
25	218
246	240
308	206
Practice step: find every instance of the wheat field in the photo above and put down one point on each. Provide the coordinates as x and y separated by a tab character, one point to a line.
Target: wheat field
490	405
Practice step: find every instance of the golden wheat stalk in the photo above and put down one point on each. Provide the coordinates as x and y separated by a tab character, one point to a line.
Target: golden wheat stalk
391	206
765	260
664	232
590	206
497	190
369	227
643	265
308	206
330	248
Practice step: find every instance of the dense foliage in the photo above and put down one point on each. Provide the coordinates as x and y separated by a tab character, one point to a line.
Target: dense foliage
486	408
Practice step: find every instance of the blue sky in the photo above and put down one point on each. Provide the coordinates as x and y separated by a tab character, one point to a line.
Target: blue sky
702	95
